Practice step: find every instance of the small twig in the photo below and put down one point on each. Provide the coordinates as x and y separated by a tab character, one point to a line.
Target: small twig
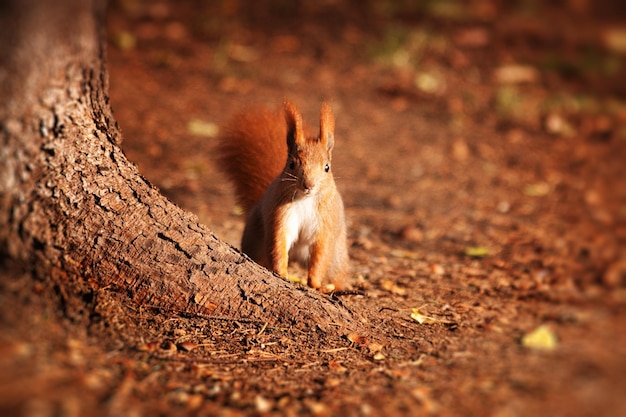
262	329
334	350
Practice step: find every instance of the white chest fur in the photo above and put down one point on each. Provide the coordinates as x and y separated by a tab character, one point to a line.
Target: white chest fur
301	223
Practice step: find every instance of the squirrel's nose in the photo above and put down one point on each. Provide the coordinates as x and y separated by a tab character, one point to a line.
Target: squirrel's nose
307	186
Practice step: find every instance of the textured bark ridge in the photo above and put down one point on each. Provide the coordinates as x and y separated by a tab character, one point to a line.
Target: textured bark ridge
73	206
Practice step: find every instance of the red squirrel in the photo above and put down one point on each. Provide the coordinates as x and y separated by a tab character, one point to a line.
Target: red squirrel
283	181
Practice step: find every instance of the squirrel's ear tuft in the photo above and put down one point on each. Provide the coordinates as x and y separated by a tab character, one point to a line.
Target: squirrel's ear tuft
295	132
327	126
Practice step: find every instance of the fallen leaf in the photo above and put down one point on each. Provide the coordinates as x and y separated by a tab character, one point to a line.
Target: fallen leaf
357	338
202	128
542	338
389	285
477	251
539	189
516	74
437	269
187	346
421	318
336	366
556	124
125	41
429	83
418	316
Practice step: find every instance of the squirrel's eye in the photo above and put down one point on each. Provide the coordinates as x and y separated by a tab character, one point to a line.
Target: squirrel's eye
292	164
326	168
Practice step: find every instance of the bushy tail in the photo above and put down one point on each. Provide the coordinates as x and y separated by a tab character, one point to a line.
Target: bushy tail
252	151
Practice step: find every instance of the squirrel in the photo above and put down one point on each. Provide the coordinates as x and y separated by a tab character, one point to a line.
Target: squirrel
284	183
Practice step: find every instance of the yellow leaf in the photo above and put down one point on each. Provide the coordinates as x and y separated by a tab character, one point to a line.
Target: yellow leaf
421	318
202	128
477	251
125	40
542	338
539	189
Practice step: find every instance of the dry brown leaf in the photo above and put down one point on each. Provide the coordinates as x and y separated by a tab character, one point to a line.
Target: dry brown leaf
357	338
437	269
336	366
392	287
187	346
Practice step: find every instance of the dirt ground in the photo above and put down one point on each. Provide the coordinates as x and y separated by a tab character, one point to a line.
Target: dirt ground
480	153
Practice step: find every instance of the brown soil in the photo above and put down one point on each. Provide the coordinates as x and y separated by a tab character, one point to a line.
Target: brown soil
480	153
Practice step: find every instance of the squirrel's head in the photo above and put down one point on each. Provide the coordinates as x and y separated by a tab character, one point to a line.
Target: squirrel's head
309	158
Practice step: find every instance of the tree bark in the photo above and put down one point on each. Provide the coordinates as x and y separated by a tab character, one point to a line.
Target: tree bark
75	209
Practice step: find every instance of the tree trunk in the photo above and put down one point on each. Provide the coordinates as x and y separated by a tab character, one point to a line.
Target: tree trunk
73	206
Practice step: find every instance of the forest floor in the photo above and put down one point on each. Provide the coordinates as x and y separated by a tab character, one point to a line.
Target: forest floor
481	155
